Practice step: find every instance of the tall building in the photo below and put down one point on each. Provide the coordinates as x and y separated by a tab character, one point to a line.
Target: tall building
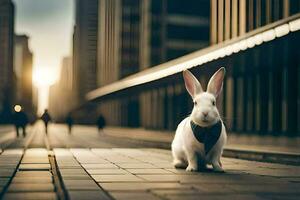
134	35
85	46
6	58
172	28
61	94
260	89
108	41
85	55
23	74
232	18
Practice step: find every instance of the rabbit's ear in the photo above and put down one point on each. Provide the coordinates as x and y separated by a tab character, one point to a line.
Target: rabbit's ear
192	85
215	83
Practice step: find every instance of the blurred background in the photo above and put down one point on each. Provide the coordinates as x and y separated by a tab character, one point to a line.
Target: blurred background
72	57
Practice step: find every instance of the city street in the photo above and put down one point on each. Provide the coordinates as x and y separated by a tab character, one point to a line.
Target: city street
91	165
124	76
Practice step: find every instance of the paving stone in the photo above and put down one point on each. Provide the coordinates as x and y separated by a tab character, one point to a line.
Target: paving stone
164	165
106	171
137	166
72	163
164	177
152	160
179	171
117	178
81	185
214	188
62	152
279	196
46	179
69	167
10	166
6	172
5	161
34	167
26	187
266	188
33	173
92	161
72	171
4	181
65	159
226	178
140	186
36	151
30	196
148	171
15	152
102	151
128	151
134	195
88	195
276	173
214	197
76	177
35	161
165	192
122	159
100	166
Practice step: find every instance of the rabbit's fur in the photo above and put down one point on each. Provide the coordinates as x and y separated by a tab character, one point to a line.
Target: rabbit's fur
187	151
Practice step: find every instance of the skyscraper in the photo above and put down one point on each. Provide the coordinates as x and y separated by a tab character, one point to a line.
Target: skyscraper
230	19
134	35
23	73
172	28
6	58
61	93
85	46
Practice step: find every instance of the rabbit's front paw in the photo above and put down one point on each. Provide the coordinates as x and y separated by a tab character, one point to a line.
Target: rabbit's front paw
218	168
179	164
191	168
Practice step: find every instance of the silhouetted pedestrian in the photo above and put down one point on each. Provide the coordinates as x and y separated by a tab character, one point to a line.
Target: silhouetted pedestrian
46	119
69	121
100	122
20	120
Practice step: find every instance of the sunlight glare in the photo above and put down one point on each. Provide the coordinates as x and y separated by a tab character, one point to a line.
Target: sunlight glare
44	77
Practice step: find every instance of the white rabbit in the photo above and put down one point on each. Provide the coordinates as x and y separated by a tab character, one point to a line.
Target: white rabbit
200	138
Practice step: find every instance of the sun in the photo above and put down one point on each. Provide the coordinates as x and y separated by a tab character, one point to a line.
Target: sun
44	77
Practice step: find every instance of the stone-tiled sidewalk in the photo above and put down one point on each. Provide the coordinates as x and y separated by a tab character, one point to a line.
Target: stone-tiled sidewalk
33	177
142	174
9	161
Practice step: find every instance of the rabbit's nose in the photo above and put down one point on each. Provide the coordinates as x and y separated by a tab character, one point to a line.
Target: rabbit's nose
205	114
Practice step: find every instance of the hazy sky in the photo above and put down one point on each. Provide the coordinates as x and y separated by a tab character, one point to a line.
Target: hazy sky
49	24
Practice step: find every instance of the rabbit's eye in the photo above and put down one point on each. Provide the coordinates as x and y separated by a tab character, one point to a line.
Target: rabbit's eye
213	103
195	103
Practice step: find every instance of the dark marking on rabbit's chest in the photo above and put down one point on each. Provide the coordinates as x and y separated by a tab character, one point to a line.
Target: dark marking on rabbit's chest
207	135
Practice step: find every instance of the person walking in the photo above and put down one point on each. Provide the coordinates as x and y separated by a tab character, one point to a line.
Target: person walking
46	119
20	120
100	122
69	121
